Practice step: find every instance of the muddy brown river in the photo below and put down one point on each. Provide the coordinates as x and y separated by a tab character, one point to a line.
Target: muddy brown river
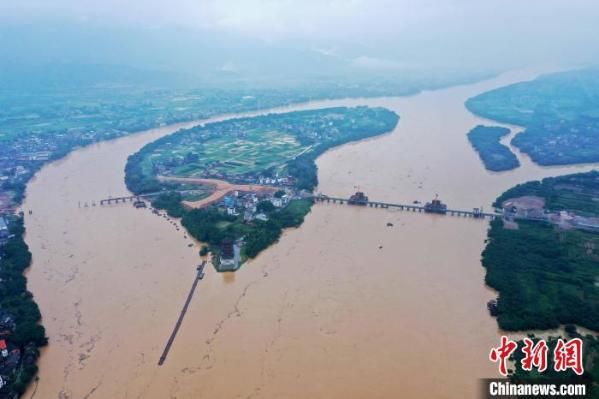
342	307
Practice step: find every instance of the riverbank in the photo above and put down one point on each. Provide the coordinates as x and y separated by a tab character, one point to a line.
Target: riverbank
343	306
21	334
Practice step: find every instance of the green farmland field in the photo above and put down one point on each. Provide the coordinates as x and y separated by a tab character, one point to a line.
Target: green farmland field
255	151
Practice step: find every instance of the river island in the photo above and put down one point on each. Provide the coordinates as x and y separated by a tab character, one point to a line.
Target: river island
270	160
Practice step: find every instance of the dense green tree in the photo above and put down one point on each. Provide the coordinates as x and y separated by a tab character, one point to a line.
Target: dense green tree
265	206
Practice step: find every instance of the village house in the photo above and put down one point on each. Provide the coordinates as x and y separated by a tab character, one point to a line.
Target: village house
280	202
3	348
277	202
229	201
229	256
588	224
11	362
7	325
3	229
262	217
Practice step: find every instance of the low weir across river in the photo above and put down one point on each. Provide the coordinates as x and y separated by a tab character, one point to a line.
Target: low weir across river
475	212
133	198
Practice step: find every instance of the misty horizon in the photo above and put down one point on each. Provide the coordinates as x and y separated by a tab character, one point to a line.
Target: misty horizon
258	39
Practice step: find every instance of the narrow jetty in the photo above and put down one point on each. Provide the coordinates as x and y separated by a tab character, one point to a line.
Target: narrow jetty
171	339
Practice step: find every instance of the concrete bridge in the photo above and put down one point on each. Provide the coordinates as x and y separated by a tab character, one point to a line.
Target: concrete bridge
474	213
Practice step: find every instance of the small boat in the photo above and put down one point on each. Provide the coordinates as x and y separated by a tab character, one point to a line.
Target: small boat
492	307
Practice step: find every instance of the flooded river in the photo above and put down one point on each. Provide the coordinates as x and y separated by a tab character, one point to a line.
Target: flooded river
343	307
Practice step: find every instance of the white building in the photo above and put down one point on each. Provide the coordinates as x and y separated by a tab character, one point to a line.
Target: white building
3	228
261	217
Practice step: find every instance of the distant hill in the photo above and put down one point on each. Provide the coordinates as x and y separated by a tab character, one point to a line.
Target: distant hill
71	54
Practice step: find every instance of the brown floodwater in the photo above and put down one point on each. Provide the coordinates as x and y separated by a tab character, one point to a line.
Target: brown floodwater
342	307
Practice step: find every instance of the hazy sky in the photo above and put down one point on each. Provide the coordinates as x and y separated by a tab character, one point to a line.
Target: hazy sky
277	19
379	34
